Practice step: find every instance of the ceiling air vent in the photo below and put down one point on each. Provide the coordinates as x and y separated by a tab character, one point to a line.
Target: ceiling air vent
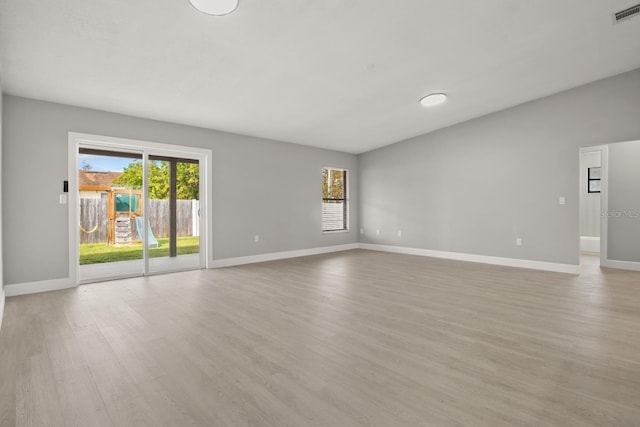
628	13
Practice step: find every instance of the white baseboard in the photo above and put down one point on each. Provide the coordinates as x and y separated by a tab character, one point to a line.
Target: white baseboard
590	244
41	286
1	306
622	265
229	262
65	283
458	256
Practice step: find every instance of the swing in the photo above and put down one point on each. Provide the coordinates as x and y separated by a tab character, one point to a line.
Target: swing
93	230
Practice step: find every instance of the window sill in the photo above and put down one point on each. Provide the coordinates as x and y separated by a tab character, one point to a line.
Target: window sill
335	231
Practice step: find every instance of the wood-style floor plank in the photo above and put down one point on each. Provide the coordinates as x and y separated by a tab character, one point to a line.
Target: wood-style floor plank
358	338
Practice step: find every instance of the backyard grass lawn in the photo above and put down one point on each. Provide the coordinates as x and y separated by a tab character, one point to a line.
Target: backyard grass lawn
94	253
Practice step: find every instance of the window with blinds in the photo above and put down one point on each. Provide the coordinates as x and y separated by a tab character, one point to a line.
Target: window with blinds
334	199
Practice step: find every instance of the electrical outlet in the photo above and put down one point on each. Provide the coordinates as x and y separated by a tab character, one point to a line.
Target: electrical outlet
256	238
399	233
377	232
62	199
562	200
519	241
362	231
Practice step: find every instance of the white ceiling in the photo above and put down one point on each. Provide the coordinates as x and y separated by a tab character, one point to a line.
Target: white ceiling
344	75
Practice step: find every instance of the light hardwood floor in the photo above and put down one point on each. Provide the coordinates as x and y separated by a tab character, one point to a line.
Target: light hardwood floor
358	338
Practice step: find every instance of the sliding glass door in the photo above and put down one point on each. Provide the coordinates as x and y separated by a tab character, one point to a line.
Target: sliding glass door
139	212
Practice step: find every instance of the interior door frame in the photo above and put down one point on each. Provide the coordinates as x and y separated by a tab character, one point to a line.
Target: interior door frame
604	167
204	156
604	205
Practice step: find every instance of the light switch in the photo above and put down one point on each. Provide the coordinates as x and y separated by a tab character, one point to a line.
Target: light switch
561	200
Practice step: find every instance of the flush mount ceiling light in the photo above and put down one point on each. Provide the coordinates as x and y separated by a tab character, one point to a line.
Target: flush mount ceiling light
433	99
215	7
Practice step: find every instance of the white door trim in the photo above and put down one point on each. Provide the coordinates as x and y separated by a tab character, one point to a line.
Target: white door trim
600	241
604	206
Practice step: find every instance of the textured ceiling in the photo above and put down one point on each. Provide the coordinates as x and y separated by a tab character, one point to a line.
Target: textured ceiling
344	75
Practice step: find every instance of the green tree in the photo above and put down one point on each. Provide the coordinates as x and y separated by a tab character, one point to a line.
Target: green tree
333	183
187	174
188	178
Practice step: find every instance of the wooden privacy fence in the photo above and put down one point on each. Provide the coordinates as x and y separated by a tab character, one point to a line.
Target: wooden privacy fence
94	221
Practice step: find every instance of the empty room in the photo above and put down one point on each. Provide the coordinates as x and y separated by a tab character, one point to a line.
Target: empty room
319	213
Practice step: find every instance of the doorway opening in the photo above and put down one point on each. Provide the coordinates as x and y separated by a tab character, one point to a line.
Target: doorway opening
592	186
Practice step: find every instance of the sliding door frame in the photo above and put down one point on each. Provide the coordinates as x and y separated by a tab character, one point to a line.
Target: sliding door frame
124	145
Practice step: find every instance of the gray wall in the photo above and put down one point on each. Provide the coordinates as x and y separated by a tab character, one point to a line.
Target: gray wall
2	296
589	202
248	174
477	186
623	229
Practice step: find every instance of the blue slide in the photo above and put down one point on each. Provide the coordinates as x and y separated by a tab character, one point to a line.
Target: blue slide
153	243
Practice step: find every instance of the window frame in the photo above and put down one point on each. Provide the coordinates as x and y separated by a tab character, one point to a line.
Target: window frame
344	199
